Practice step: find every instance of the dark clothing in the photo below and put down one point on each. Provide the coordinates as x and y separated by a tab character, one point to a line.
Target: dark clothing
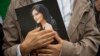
1	41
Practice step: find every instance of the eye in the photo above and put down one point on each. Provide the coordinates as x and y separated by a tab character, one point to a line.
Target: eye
37	13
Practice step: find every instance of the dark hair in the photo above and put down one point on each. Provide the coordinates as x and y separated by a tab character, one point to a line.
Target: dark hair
42	9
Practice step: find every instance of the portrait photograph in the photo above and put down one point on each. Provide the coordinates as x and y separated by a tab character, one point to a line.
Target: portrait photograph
44	14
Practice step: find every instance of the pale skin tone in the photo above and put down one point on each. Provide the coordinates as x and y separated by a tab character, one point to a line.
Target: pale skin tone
39	18
97	4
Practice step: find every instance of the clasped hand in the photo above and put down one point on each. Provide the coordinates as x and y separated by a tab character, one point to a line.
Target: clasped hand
50	49
36	39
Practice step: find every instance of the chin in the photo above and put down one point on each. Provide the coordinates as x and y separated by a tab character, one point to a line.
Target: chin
38	22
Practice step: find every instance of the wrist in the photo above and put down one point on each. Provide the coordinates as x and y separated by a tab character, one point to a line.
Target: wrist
23	50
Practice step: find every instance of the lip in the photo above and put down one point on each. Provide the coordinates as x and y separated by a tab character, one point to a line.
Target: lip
35	19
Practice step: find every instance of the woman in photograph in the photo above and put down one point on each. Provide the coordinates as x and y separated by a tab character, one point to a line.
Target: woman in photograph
43	18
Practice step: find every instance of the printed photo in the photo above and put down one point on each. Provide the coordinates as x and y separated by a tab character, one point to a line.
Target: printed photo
41	14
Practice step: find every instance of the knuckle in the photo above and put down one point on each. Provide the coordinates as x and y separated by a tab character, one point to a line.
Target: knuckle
39	42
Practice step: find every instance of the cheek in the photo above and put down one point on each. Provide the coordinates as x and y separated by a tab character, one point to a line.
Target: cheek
35	18
40	16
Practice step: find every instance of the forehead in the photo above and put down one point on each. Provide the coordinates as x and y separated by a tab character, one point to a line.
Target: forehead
34	11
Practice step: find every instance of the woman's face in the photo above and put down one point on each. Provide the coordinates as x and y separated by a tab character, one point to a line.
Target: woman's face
38	17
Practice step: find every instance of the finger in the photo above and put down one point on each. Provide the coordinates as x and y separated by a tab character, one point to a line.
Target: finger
47	41
46	51
42	32
41	54
42	43
50	46
35	30
47	35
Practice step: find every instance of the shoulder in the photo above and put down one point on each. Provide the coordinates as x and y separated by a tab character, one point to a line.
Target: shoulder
19	3
14	3
83	5
83	2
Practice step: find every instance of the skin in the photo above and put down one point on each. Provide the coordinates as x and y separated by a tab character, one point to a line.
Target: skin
39	18
50	49
36	39
97	4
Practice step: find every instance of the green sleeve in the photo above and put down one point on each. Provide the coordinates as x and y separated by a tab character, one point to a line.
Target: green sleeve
3	7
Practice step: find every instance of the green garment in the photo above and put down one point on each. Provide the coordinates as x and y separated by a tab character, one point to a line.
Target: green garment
3	7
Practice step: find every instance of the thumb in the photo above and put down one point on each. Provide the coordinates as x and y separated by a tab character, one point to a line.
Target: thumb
58	38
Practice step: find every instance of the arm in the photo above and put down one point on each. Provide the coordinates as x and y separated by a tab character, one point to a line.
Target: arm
34	39
88	46
10	28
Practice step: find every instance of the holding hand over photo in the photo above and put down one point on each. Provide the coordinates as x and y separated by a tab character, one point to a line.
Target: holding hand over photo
52	49
36	39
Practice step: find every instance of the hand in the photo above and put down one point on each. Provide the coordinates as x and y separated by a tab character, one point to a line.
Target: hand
52	49
34	53
97	4
36	39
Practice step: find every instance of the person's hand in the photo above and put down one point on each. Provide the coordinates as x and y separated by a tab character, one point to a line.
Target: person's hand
52	49
33	53
36	39
97	4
